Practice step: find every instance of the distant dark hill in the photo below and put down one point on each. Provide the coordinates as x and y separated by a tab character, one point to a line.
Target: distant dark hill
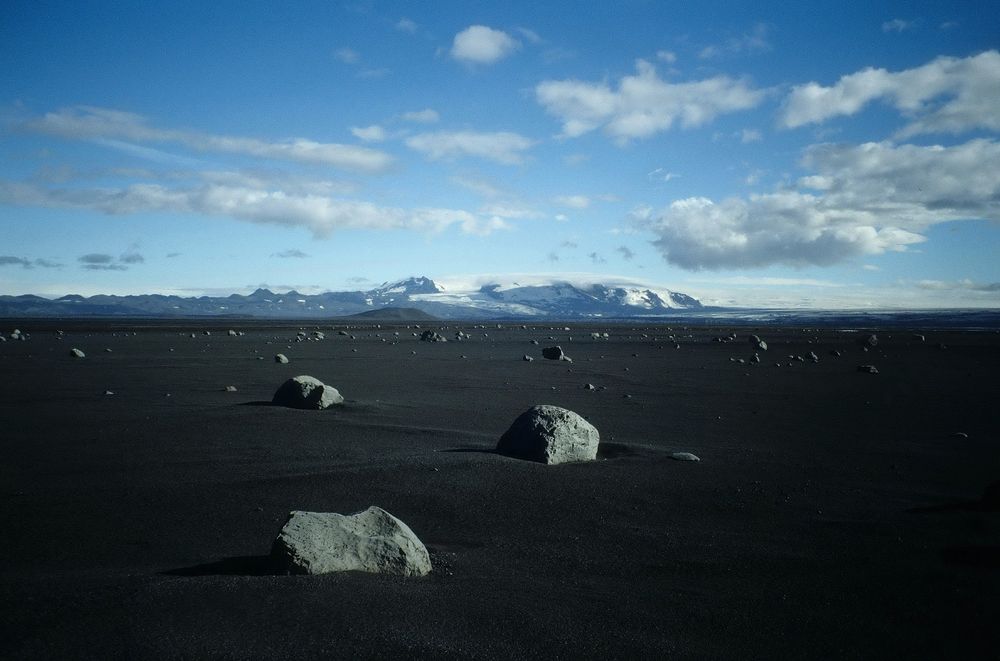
395	314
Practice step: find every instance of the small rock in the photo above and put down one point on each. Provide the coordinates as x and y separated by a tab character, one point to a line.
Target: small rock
280	358
684	456
76	353
526	358
870	369
590	386
230	388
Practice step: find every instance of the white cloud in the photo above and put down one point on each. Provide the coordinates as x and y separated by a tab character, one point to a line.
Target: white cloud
572	201
643	104
897	25
379	72
874	198
90	123
946	95
502	147
478	186
754	41
666	56
478	44
373	133
661	174
750	135
509	211
406	25
319	213
530	35
347	55
960	285
425	116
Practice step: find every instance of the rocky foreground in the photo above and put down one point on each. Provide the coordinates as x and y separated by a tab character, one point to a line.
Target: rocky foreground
761	497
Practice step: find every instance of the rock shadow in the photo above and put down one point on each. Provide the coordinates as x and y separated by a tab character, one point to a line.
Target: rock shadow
245	565
615	450
472	448
986	557
990	502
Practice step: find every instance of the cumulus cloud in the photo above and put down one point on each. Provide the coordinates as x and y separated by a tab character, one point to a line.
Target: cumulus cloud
642	105
478	44
502	147
321	214
90	123
946	95
425	116
863	200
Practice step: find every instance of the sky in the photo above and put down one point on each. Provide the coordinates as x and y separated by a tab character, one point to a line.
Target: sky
817	154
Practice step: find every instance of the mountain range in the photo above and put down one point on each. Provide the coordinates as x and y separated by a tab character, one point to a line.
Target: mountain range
495	300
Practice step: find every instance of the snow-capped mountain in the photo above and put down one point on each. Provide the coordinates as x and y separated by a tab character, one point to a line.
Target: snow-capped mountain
537	299
564	299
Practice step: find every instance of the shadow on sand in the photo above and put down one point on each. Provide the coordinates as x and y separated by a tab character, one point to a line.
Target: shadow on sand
472	448
985	557
604	450
990	502
246	565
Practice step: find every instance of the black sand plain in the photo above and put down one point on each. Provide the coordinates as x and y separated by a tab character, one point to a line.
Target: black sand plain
833	514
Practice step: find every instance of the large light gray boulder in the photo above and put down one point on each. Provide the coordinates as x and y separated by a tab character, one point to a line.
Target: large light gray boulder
372	541
306	392
551	435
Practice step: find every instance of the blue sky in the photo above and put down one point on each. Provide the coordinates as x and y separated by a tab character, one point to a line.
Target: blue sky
781	154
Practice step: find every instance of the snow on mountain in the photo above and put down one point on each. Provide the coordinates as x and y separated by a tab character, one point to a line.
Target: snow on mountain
533	296
560	298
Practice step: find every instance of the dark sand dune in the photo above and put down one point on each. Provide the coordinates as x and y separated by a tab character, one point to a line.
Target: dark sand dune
833	513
